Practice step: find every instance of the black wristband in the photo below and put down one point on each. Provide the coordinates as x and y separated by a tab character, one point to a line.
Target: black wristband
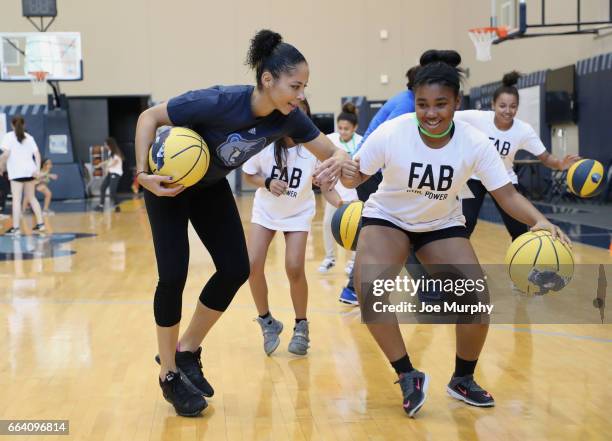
141	172
267	183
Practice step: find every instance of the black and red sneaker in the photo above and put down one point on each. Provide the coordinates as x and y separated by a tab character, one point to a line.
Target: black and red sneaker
186	402
414	389
467	390
189	364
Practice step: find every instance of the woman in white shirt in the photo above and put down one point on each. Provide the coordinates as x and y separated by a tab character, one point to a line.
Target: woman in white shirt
113	175
23	163
425	163
345	138
284	202
509	135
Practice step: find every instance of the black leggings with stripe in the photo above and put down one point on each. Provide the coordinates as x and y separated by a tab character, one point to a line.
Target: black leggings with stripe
214	216
472	206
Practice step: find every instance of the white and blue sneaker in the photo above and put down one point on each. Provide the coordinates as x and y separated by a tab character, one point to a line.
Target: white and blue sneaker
39	228
348	296
327	264
348	269
15	232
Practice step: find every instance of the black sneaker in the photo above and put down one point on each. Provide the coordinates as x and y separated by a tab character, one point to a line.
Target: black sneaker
467	390
414	389
189	364
176	392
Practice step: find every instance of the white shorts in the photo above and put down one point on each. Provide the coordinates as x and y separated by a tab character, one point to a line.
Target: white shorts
301	222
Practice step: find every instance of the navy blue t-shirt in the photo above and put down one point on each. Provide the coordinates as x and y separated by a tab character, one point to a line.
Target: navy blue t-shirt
223	117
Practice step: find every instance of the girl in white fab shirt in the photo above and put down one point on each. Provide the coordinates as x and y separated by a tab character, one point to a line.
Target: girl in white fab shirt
425	162
345	138
509	135
283	202
22	160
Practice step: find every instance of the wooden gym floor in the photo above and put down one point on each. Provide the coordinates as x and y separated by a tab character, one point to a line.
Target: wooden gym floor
77	338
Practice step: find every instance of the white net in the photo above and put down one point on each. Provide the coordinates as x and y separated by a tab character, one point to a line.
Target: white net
483	39
38	80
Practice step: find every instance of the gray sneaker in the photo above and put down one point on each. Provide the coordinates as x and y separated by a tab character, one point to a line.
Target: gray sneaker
467	390
271	329
414	386
299	342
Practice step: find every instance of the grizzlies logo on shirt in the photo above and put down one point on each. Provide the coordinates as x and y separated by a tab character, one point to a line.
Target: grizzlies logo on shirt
236	150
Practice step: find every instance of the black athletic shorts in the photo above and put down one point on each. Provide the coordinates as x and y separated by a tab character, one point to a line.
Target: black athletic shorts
23	179
418	240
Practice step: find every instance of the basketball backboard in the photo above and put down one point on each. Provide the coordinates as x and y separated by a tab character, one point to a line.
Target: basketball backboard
57	53
510	15
508	21
550	17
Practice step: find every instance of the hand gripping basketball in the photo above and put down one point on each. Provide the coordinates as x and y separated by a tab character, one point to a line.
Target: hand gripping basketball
556	232
181	153
155	184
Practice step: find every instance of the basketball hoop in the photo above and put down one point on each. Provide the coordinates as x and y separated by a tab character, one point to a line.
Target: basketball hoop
38	79
483	39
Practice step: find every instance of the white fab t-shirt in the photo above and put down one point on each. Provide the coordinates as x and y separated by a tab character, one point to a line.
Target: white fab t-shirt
520	136
293	210
420	186
21	162
346	194
116	165
348	147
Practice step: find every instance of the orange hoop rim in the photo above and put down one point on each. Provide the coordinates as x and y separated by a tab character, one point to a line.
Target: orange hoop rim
501	31
38	80
38	75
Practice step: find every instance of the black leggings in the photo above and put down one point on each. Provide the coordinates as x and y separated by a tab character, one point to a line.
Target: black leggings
112	180
5	189
214	216
472	206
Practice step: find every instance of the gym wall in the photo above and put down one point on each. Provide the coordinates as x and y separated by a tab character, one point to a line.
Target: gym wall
142	47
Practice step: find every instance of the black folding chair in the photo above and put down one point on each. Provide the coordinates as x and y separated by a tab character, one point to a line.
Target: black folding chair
557	189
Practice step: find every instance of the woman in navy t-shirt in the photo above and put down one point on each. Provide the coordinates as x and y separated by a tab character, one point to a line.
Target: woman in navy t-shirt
236	122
